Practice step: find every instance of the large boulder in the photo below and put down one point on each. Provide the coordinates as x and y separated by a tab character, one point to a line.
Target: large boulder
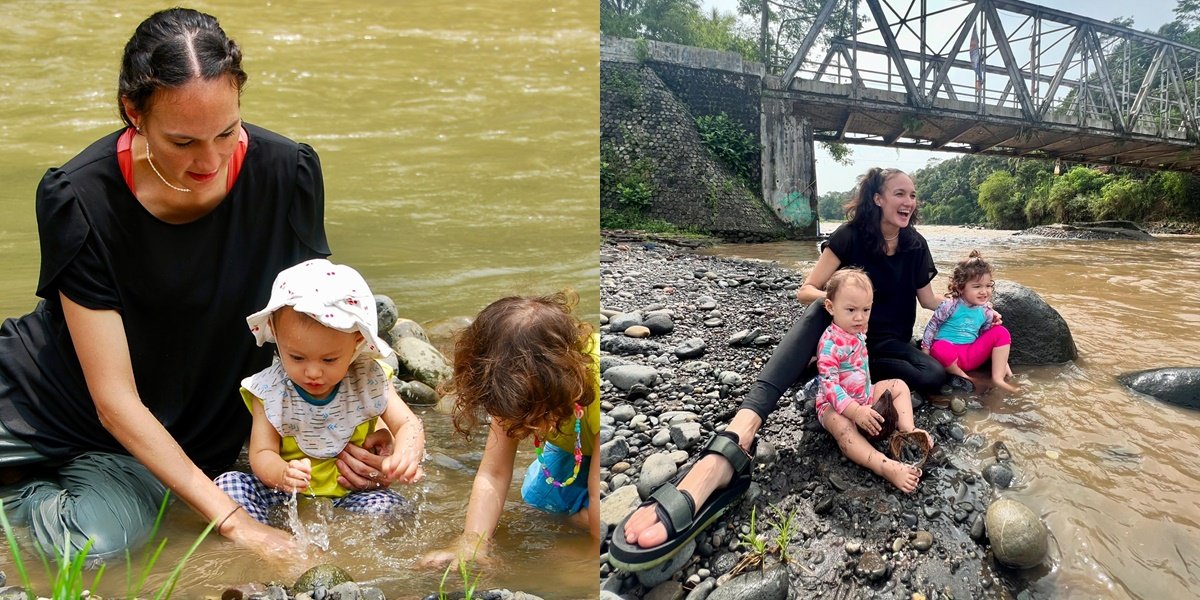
1040	335
1018	537
1176	385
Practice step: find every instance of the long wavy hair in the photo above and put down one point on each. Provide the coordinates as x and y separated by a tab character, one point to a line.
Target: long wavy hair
524	361
863	213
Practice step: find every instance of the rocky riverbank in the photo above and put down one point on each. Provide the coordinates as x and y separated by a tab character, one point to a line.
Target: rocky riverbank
710	323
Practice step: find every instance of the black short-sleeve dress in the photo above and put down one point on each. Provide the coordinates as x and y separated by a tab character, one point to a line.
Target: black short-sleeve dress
183	292
896	279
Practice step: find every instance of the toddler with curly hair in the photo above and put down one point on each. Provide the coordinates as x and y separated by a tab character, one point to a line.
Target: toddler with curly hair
531	368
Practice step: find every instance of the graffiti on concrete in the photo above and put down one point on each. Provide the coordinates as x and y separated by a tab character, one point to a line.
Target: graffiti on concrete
794	209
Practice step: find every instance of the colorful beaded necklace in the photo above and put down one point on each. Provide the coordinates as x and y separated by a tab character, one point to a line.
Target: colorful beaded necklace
537	447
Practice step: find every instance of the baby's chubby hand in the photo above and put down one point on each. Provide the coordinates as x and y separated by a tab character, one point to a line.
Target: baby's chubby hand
405	465
297	475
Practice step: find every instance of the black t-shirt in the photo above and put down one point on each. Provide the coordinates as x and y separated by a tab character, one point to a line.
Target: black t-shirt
183	292
896	279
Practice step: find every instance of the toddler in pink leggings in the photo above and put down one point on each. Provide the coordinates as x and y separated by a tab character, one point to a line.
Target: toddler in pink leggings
960	335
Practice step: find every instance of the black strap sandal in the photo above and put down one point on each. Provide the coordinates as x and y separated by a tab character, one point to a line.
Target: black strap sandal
676	509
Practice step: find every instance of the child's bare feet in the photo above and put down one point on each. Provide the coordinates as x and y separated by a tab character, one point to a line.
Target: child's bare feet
904	476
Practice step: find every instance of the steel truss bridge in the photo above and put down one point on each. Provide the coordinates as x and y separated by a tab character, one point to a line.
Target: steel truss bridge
997	77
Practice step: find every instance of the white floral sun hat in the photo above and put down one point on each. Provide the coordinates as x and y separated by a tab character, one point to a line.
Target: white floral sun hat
335	295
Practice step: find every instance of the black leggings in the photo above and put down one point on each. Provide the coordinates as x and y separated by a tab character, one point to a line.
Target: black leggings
889	359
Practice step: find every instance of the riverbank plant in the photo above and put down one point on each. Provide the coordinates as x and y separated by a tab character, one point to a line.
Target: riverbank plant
467	572
68	580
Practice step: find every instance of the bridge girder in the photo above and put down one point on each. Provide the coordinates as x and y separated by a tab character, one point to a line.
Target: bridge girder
1076	74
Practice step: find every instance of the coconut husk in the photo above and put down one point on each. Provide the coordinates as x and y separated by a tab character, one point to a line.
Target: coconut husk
912	447
887	410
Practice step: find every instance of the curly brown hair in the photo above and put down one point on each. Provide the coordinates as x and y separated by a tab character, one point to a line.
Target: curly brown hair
966	270
526	362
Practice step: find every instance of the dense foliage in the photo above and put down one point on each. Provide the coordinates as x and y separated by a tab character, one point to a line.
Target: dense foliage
730	143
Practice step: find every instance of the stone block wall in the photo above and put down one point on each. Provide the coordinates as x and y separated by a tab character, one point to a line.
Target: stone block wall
650	97
644	123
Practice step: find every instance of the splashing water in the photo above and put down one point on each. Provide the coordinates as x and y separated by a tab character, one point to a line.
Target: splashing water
315	533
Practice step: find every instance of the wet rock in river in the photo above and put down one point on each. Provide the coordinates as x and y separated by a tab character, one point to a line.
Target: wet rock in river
998	474
1018	537
326	576
408	328
1040	335
421	360
385	311
1178	386
416	393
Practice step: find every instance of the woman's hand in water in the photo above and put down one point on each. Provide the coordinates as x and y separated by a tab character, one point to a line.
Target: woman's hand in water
360	468
267	542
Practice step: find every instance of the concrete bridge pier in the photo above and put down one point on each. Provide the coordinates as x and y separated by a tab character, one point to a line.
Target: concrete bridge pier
789	176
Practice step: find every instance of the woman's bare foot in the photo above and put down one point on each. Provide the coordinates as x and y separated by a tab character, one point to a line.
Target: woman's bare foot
905	477
709	473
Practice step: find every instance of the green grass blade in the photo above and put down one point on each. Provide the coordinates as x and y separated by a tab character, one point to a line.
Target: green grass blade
151	560
96	579
169	587
16	553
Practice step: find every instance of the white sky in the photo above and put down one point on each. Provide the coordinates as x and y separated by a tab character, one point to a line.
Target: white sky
831	176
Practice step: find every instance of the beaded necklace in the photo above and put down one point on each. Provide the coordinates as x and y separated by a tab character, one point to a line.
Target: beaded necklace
537	447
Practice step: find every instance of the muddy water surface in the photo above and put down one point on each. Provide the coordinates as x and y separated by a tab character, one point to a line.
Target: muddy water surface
1115	476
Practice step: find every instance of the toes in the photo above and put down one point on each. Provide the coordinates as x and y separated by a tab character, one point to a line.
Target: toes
653	536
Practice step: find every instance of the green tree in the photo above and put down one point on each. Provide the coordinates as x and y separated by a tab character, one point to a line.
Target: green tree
1001	201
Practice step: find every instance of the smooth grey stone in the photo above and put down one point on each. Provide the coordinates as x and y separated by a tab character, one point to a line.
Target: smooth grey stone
686	435
771	584
408	328
659	323
1018	537
385	311
619	503
998	475
690	348
625	376
623	321
657	469
613	452
623	413
667	590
